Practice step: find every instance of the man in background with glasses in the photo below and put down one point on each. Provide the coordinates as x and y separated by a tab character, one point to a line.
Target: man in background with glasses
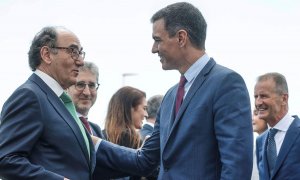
84	95
39	136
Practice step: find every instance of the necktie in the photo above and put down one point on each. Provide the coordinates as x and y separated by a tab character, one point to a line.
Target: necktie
86	124
180	93
71	108
271	150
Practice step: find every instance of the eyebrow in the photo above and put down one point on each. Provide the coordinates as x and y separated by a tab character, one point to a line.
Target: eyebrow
75	46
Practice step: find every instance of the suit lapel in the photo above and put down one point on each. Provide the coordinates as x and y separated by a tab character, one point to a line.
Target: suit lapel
64	113
289	139
189	96
192	91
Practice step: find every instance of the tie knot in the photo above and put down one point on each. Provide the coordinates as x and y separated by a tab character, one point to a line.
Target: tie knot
182	81
65	98
83	119
272	132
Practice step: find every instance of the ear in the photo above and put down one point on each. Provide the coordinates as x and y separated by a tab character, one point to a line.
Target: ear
46	54
182	37
285	98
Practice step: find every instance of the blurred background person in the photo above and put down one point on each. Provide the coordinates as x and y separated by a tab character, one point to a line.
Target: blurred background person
84	95
125	114
259	126
153	105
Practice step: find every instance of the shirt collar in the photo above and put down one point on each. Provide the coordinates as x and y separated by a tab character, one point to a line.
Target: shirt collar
151	124
80	115
52	83
195	69
284	123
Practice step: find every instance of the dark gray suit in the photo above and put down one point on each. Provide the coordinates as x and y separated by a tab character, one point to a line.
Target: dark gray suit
96	130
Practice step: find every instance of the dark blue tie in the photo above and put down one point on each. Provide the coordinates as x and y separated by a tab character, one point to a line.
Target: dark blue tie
271	150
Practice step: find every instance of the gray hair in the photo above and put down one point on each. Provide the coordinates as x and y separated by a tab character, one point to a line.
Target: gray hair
281	86
92	67
153	105
46	37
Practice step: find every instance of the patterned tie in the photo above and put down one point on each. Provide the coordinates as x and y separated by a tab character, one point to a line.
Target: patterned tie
71	108
86	124
271	150
180	93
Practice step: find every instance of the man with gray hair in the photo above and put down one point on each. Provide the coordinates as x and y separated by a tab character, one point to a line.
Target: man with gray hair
153	105
40	138
84	95
277	149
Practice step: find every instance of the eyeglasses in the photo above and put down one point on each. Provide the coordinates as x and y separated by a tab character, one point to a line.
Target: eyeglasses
80	86
74	52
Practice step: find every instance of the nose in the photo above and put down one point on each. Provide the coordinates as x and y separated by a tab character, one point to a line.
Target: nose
146	114
79	62
86	90
154	48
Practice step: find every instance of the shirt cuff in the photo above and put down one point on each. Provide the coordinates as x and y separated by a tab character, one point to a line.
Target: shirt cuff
97	144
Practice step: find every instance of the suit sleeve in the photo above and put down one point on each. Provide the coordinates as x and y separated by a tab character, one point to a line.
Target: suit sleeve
233	129
20	130
139	162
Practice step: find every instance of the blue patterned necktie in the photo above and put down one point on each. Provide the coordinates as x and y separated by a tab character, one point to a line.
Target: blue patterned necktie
71	108
271	150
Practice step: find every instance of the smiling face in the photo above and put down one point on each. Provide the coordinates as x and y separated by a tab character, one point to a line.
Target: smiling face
166	47
138	114
85	99
271	106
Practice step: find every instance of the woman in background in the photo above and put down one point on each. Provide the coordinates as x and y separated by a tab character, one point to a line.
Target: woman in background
126	111
259	126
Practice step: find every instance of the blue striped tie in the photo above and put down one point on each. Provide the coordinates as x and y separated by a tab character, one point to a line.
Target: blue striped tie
271	150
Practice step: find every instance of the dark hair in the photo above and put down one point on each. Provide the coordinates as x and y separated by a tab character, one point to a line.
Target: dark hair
281	86
119	123
153	105
185	16
46	37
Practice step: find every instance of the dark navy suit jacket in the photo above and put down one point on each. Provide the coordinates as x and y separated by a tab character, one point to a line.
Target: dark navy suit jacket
210	138
39	139
96	130
287	165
